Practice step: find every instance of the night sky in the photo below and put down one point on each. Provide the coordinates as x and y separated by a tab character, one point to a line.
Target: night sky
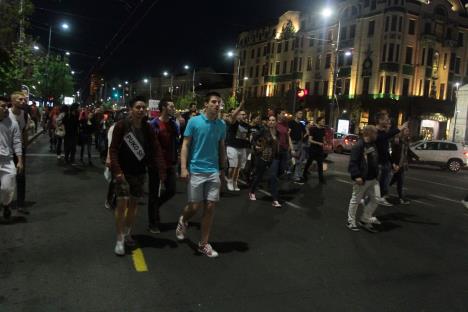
172	34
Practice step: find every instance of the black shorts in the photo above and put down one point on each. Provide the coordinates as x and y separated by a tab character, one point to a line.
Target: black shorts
132	186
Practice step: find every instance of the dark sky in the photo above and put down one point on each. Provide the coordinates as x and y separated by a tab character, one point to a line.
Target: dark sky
173	32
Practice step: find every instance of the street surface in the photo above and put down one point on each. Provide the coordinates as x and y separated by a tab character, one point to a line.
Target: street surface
298	258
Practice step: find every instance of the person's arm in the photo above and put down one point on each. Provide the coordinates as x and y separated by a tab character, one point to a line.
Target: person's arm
411	154
222	155
184	157
117	139
236	112
355	160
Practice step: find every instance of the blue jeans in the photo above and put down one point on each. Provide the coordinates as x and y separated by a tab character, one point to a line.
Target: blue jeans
384	178
260	169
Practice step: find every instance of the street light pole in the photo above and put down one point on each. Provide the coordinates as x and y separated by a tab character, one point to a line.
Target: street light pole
455	113
193	83
335	78
50	39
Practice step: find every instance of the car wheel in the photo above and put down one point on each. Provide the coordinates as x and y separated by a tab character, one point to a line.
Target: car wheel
339	149
454	165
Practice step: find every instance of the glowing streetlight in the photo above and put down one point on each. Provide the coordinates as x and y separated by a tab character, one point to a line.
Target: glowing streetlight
72	72
67	53
113	88
165	74
348	53
36	47
186	67
126	82
230	54
68	65
145	80
120	86
326	12
246	78
65	26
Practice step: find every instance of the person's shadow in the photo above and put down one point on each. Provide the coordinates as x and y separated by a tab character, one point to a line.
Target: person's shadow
220	247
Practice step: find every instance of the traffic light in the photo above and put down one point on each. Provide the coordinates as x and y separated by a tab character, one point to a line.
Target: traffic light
301	94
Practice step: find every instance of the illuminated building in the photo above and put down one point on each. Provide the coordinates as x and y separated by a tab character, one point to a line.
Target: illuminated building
399	55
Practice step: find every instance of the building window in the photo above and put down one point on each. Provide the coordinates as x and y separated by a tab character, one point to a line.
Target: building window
373	4
286	46
309	63
285	66
279	47
427	85
365	86
325	88
423	57
387	84
311	41
283	89
307	86
441	91
252	53
343	33
316	87
352	31
251	71
318	60
427	28
266	49
387	22
430	56
300	64
257	71
327	61
457	65
394	85
370	28
259	51
452	61
412	27
347	86
381	86
384	53
394	23
271	69
291	67
397	53
460	39
405	89
391	47
255	91
409	56
366	3
400	23
278	65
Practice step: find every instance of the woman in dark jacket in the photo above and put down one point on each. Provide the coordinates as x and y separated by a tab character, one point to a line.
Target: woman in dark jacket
401	153
87	128
267	149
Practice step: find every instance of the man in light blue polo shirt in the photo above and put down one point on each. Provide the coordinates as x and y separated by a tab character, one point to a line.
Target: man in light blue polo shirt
203	157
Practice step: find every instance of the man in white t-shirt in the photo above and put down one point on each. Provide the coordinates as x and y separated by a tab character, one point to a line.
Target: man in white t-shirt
18	113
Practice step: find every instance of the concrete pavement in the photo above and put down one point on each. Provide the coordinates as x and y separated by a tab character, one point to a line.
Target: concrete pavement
299	258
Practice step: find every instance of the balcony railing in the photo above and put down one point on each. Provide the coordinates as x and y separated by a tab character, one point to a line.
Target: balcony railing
390	67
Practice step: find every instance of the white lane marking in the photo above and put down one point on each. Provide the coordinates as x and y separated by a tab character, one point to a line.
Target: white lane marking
344	181
445	198
51	155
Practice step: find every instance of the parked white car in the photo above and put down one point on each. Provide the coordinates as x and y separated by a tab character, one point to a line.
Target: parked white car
452	156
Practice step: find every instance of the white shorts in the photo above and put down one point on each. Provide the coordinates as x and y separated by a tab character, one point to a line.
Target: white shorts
237	157
204	187
7	181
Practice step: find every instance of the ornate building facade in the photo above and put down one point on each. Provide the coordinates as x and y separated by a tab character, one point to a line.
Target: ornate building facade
406	56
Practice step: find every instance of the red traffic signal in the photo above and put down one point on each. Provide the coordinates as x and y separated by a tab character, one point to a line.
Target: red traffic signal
301	93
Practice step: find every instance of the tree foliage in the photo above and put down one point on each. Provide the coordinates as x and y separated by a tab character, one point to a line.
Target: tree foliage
10	17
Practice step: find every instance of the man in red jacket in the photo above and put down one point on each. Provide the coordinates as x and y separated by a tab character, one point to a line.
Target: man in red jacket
134	148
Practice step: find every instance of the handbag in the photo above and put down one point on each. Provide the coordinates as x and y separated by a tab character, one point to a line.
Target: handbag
60	131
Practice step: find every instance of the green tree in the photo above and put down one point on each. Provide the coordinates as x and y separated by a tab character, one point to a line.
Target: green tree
183	102
10	17
55	77
21	67
231	103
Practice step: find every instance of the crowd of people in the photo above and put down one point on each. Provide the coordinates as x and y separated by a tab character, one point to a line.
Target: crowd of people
207	149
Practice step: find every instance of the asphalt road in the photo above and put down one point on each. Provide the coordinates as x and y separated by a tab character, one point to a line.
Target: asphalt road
299	258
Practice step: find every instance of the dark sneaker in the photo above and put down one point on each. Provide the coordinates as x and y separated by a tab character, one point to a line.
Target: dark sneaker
154	229
6	212
352	226
300	181
129	241
369	227
207	250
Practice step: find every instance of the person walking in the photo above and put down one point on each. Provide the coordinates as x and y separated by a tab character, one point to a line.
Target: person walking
285	143
19	114
364	170
297	133
316	140
267	148
70	140
384	134
87	127
10	146
133	149
203	157
401	153
168	134
59	129
238	145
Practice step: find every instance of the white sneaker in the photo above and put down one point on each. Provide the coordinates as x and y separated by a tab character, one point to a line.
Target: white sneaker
181	230
119	248
465	203
236	187
374	220
383	202
230	185
207	250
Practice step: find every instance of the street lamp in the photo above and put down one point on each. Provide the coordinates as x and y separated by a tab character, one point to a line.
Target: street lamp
65	26
36	47
72	72
455	113
67	53
231	54
327	13
186	67
146	81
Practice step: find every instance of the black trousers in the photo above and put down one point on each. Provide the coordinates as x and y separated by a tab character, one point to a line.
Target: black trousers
155	202
21	182
399	179
70	148
318	157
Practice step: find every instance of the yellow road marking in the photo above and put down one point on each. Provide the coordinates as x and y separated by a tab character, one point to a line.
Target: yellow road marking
139	260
